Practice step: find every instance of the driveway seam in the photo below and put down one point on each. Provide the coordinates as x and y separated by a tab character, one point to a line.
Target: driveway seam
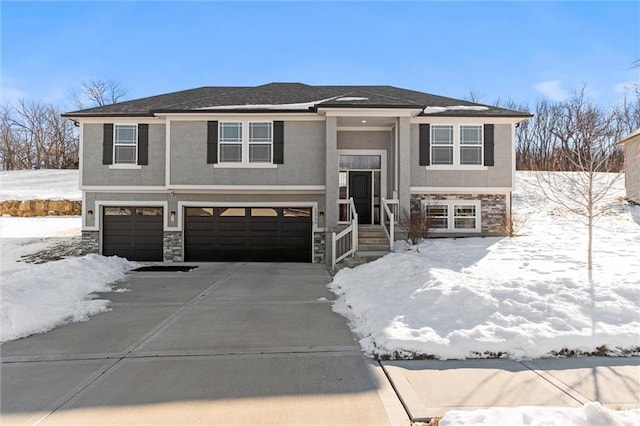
111	367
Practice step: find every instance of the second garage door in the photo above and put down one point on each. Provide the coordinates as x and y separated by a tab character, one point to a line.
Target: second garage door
254	234
132	232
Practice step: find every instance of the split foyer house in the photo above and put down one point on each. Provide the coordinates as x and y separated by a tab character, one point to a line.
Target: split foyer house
288	171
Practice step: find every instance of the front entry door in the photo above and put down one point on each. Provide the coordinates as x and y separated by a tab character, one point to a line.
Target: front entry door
360	191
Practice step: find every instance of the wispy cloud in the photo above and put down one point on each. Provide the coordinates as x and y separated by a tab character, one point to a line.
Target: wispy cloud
625	87
11	94
552	90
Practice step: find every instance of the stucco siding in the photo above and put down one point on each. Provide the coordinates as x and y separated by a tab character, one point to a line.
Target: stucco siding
94	173
498	176
304	144
632	169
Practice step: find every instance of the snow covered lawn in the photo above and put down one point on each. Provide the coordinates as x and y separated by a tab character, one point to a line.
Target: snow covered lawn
35	298
40	185
523	297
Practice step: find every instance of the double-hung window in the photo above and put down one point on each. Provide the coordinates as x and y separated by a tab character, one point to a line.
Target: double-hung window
442	145
471	145
260	142
456	145
230	142
453	215
245	142
125	144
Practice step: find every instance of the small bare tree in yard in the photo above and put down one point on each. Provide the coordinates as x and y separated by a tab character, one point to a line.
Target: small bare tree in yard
585	152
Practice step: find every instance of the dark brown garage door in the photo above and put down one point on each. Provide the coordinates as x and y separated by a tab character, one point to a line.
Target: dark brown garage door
253	234
132	232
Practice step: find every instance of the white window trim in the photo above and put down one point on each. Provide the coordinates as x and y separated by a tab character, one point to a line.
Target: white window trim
456	149
115	165
451	214
245	164
125	166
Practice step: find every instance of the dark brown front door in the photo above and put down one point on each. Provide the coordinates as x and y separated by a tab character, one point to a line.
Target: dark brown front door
360	191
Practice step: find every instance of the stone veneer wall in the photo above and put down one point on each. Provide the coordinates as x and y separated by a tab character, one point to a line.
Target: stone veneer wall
90	241
318	247
172	246
493	208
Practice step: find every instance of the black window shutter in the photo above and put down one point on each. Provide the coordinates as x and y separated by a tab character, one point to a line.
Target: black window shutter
278	142
143	144
212	142
424	144
107	144
488	145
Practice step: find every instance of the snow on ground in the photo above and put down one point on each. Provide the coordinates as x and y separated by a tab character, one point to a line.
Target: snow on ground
521	297
35	298
592	414
40	185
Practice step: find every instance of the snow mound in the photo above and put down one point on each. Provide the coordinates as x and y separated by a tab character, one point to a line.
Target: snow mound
591	414
44	296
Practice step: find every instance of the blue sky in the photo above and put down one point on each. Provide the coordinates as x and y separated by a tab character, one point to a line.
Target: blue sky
520	50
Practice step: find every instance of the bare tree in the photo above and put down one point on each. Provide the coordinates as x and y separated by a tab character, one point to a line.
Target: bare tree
35	135
99	92
586	135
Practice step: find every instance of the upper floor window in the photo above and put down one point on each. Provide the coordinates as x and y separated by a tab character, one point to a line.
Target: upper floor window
456	145
246	142
125	144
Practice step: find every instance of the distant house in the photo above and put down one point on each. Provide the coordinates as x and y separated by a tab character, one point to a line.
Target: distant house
288	171
632	165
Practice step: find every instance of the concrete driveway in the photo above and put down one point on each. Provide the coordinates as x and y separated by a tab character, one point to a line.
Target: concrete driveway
234	343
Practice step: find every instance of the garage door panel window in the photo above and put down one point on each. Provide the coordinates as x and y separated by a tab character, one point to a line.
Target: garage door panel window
264	212
117	211
198	211
453	215
149	211
232	212
297	212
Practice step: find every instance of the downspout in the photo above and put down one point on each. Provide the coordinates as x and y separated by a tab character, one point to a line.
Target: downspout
395	157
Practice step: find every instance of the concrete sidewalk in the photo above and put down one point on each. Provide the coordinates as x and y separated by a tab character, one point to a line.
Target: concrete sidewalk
429	389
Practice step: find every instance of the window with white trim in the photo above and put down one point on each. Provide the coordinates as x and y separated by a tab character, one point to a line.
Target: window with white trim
453	215
456	145
442	145
245	142
125	144
230	142
471	145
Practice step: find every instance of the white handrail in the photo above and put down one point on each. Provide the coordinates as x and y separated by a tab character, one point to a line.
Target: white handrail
392	220
352	228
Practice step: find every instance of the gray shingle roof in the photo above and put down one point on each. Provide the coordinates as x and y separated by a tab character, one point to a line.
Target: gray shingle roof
294	97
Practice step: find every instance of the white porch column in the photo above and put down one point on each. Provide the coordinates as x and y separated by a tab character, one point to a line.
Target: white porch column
331	163
404	164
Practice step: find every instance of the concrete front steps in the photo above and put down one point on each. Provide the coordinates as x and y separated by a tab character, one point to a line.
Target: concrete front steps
372	244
